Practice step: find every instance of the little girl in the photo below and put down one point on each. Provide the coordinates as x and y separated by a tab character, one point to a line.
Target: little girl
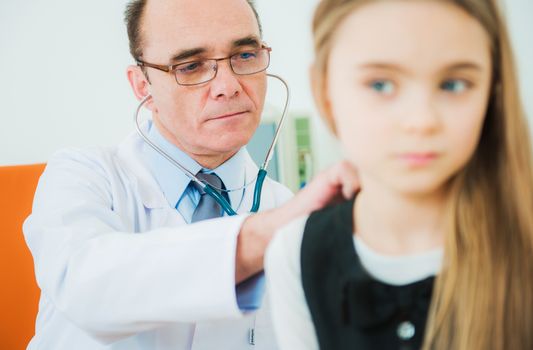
436	250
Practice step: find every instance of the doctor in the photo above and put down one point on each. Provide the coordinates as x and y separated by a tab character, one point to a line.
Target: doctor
123	254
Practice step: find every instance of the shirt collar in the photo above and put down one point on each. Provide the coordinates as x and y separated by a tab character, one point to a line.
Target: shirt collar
232	173
174	182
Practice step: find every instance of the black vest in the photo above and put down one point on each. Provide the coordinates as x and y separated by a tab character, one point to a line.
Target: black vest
350	309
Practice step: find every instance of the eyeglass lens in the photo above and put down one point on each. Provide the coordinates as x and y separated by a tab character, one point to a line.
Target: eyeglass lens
242	63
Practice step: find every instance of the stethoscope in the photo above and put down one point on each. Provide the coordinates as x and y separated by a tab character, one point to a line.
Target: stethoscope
210	190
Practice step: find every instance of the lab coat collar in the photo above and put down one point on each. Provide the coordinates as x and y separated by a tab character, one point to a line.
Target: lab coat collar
130	153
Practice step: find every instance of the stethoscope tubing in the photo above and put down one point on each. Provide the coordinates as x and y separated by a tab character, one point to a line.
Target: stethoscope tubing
210	190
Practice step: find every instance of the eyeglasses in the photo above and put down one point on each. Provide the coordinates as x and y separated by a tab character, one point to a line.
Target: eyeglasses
201	71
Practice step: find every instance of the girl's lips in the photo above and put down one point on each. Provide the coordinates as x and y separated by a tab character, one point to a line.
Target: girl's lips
417	159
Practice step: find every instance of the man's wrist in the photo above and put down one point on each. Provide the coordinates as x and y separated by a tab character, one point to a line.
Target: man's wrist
255	235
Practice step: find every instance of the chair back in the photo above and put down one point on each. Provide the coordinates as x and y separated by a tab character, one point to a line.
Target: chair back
19	294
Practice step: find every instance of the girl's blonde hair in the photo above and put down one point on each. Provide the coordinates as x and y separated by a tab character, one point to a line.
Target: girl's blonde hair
483	297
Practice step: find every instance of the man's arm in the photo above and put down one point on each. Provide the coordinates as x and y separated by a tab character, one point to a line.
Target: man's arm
112	282
340	181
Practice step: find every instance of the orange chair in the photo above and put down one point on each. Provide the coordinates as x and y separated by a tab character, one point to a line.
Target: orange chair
19	294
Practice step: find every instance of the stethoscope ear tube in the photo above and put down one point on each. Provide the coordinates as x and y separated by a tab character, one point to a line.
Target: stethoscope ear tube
220	199
261	175
280	125
211	191
156	147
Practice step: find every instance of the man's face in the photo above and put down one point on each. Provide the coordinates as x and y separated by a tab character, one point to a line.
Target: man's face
213	120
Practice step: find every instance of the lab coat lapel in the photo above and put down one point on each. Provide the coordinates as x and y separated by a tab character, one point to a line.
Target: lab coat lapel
146	186
148	189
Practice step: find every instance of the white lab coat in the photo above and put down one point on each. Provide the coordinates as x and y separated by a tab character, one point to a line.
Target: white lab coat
119	268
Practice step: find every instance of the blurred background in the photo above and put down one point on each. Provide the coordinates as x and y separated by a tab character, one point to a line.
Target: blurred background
63	81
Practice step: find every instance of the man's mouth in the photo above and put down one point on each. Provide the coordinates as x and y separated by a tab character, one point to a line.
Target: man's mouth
227	115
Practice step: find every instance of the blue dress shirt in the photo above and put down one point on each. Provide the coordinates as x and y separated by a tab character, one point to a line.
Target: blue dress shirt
184	197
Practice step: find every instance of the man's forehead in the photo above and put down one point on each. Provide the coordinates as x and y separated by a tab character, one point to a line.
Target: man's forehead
186	53
185	24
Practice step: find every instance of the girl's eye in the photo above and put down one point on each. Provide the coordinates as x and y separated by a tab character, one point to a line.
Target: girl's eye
455	86
385	87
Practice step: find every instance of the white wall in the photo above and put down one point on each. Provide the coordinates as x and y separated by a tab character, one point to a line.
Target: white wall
62	65
520	13
62	68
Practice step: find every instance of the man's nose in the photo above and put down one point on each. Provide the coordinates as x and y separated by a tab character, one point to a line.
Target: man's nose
226	84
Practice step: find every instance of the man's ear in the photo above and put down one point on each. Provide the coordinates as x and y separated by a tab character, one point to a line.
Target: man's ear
139	84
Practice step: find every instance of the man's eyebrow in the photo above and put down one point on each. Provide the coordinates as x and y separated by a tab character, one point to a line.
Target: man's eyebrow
182	55
251	40
185	54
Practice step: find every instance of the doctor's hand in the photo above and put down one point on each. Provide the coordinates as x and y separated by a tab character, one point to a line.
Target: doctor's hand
328	187
338	183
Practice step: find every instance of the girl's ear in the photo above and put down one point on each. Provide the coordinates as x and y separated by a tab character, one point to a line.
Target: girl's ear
320	94
139	84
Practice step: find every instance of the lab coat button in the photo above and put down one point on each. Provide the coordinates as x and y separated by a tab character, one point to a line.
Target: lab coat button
406	330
